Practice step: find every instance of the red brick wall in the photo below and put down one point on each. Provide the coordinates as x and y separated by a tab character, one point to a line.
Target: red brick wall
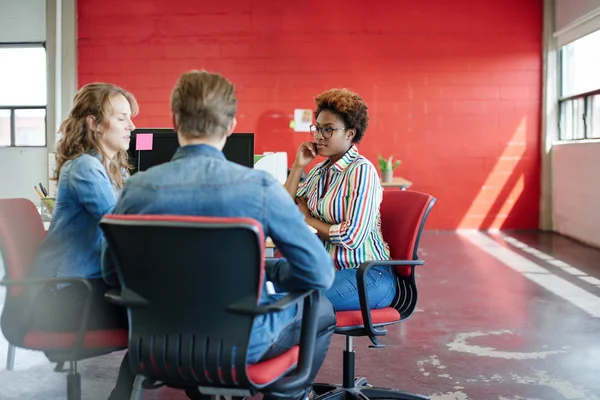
453	87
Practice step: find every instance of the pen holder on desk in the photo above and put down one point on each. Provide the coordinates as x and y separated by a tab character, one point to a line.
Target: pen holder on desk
47	207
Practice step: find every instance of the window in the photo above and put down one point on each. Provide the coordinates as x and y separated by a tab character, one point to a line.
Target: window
22	94
580	89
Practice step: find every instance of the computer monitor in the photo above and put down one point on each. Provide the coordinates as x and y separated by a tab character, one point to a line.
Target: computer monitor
239	148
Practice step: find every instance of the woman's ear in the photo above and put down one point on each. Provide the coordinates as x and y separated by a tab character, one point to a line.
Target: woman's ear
351	133
91	123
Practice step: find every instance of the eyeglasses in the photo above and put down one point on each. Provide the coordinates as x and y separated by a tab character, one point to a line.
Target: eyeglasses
325	132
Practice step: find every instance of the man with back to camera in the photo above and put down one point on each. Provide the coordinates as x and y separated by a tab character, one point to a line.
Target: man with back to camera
203	106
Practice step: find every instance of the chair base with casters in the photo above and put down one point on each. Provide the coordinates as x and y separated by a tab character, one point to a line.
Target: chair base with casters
358	388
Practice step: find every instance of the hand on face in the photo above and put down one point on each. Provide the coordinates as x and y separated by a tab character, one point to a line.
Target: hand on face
306	153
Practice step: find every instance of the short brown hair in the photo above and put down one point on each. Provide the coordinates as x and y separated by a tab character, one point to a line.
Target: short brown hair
77	138
349	106
203	103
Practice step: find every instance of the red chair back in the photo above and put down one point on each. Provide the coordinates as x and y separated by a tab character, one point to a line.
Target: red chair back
21	233
403	216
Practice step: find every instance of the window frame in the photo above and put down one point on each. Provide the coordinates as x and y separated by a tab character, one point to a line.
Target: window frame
585	117
16	107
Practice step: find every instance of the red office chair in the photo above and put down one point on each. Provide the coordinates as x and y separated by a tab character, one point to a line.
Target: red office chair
192	285
403	215
21	233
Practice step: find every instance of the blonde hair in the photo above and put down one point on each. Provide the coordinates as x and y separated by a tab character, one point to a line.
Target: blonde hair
203	103
77	138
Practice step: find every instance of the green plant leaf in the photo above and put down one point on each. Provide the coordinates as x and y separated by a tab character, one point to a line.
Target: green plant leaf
382	163
387	164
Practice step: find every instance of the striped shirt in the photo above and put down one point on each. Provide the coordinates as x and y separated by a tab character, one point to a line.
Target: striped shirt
347	195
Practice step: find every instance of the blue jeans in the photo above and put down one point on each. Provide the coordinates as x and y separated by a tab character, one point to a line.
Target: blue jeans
343	294
381	286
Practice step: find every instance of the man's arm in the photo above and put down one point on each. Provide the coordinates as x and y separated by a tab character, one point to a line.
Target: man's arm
308	265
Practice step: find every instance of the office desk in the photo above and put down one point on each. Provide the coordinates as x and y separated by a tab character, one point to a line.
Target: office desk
397	182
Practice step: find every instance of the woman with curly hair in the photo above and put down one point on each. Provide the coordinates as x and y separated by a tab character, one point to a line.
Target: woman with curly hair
91	169
341	197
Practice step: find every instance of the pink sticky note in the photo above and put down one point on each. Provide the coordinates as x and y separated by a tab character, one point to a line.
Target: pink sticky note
143	141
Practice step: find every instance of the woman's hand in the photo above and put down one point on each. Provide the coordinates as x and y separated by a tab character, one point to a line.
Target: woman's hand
303	207
306	153
321	227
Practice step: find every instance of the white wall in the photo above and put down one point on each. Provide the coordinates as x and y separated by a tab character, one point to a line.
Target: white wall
576	190
22	21
21	168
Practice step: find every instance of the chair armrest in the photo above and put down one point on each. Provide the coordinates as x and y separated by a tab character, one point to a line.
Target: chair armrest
125	297
363	294
247	305
308	331
86	304
308	337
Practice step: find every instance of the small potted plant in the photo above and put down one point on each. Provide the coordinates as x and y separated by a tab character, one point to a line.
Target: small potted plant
387	167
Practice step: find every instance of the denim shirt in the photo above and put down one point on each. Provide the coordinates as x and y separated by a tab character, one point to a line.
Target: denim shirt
200	181
73	245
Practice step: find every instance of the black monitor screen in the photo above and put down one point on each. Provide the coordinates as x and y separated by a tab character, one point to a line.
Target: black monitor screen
239	148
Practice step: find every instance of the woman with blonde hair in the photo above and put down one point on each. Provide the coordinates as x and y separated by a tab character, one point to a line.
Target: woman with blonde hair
91	169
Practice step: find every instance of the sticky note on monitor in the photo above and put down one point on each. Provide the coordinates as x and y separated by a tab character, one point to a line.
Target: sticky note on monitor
143	141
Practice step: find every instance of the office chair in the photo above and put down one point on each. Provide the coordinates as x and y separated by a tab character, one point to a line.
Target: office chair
192	285
21	233
403	216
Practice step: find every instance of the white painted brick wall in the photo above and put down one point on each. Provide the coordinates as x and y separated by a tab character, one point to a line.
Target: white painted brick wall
576	190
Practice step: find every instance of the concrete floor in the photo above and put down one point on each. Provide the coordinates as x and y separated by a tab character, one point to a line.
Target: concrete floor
506	316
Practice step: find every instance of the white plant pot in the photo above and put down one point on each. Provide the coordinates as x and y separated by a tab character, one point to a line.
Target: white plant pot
386	176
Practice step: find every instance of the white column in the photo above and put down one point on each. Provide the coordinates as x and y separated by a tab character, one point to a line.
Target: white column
61	45
549	126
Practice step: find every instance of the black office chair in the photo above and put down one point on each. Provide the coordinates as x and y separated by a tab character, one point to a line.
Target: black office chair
191	285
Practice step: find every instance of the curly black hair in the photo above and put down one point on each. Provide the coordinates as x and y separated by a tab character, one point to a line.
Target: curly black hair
349	106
